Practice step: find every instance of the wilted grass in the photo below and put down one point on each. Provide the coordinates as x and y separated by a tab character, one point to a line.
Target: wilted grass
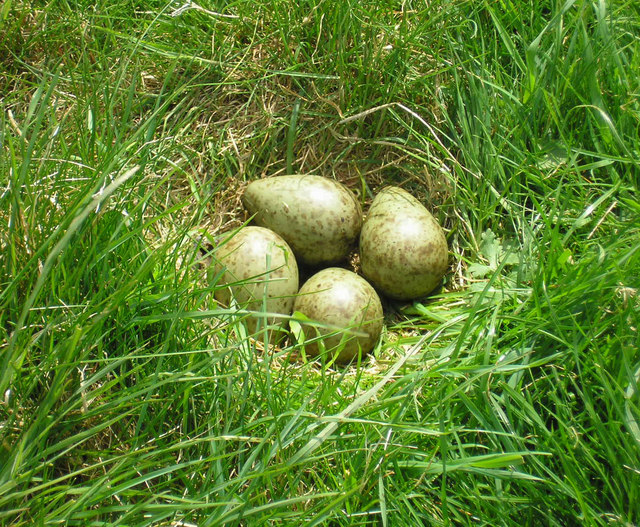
129	397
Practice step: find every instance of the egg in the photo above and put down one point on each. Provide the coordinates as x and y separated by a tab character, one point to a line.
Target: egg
319	217
343	302
256	266
403	250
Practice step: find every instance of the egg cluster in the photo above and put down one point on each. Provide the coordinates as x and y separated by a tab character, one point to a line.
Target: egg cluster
317	221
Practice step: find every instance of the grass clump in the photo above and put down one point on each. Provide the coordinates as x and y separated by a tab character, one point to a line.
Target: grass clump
130	397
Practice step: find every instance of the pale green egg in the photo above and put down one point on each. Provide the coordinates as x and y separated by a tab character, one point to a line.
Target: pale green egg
257	268
403	250
319	217
346	308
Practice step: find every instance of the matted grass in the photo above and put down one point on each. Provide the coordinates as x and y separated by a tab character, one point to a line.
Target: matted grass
508	397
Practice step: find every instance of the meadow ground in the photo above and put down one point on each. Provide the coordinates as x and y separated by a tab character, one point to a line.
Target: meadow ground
129	129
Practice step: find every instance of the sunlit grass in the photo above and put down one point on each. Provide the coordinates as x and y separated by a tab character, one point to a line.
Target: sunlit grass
129	397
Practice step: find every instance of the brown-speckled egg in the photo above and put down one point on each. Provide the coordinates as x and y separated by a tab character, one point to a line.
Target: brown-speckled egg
319	217
256	266
343	302
403	250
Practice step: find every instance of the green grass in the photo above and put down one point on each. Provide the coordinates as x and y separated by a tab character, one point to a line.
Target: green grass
129	397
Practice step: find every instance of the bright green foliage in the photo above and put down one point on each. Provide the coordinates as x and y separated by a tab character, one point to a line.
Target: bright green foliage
129	397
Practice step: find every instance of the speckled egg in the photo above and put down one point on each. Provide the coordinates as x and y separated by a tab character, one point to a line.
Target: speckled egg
256	266
319	217
343	302
403	250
